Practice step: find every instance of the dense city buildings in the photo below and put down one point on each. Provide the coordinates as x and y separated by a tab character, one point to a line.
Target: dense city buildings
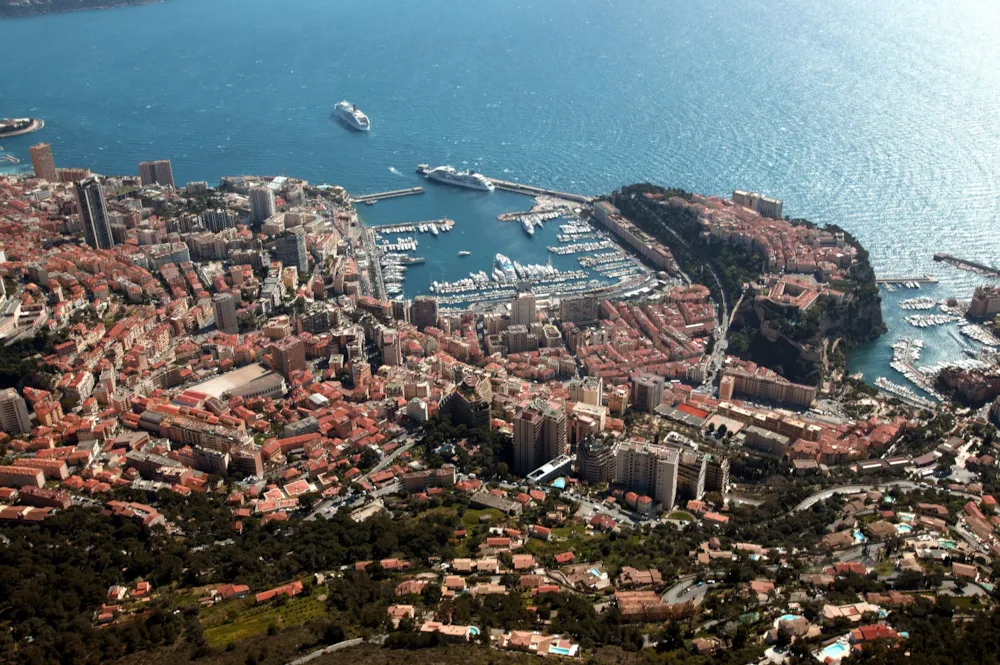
43	163
648	469
424	312
540	435
288	355
522	310
578	309
219	219
14	418
94	213
262	204
636	239
647	392
290	249
224	310
597	460
158	172
506	449
985	302
748	380
767	207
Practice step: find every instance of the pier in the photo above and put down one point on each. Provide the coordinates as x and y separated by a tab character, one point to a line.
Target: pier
917	279
378	196
966	264
531	190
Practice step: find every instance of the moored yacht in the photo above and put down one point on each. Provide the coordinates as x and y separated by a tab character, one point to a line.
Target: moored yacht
467	179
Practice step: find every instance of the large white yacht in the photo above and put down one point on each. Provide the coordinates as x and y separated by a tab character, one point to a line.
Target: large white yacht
352	116
468	179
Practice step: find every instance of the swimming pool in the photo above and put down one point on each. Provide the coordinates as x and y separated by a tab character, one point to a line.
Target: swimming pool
559	651
788	617
595	572
904	528
473	631
559	483
836	651
907	517
859	537
947	544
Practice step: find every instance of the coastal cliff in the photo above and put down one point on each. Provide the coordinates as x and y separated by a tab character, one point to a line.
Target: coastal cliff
15	8
787	339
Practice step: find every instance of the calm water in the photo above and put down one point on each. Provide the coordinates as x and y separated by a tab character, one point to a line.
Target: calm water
880	117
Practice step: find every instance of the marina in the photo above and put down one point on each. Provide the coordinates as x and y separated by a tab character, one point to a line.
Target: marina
903	393
978	333
610	269
917	304
443	224
930	320
905	355
577	248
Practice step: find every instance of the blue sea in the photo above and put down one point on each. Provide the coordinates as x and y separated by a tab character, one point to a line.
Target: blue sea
878	116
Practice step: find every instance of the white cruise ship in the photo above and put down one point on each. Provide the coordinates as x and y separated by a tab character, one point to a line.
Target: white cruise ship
352	116
468	179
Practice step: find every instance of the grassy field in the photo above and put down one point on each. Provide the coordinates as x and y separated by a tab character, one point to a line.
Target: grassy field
681	516
571	538
239	620
471	517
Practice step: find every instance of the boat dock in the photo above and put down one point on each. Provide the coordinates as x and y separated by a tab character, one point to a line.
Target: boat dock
966	264
443	224
378	196
917	279
531	190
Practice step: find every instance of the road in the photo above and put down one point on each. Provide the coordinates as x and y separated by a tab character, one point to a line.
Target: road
388	459
853	489
330	649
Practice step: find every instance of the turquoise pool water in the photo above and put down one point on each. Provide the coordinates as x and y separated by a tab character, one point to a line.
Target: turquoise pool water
947	544
559	483
837	650
859	537
904	528
473	631
559	651
907	517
